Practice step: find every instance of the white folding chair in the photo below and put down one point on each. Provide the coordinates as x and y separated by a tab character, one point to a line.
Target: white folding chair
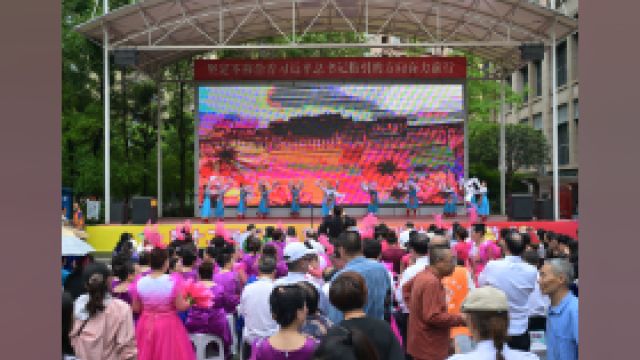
201	341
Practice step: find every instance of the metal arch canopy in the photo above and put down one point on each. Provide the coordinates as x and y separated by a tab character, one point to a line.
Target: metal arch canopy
166	31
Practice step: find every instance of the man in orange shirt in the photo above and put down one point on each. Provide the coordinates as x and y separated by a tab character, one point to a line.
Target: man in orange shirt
457	286
429	321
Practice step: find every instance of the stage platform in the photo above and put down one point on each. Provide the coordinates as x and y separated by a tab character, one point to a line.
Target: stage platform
104	237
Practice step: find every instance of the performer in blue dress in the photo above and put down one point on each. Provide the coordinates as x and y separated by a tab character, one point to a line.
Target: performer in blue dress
450	209
263	207
242	203
221	191
205	209
412	192
295	189
371	188
483	206
329	197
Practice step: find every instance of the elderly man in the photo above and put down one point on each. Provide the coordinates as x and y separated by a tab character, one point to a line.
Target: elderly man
429	321
517	279
556	276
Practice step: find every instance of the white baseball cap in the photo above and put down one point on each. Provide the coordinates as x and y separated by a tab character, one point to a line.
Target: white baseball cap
295	251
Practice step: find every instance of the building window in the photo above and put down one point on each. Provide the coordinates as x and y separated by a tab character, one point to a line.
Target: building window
576	113
538	68
524	121
537	121
561	63
574	60
524	73
509	86
563	135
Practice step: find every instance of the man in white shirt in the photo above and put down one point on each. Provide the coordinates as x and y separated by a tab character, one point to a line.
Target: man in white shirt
404	235
242	237
254	306
419	250
518	280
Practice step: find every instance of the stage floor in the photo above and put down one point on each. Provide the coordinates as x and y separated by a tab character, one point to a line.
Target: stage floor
104	237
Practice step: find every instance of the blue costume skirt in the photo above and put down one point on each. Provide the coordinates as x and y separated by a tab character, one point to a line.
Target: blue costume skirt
263	208
242	206
220	208
413	202
450	205
205	211
483	208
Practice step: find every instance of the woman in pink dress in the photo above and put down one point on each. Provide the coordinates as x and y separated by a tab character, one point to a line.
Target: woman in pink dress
158	297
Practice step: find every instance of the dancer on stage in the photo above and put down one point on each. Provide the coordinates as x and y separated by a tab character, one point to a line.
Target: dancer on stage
263	207
205	210
372	189
296	190
220	192
483	204
245	190
329	198
411	187
450	209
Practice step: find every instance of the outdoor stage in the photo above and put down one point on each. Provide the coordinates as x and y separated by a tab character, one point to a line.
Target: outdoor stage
104	237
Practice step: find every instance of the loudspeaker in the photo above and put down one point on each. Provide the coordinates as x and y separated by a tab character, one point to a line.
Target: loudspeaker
125	57
118	212
144	209
532	52
521	207
544	209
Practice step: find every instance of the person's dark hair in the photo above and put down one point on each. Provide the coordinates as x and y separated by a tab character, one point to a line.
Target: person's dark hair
224	255
515	243
432	228
392	238
67	323
337	211
461	233
172	265
440	231
409	225
311	296
420	244
205	270
144	258
551	236
250	227
267	265
327	273
541	233
218	242
350	344
95	278
350	242
285	301
291	231
526	238
157	258
268	232
531	257
125	238
211	251
122	268
504	232
278	235
380	231
188	257
349	222
492	326
371	248
348	291
480	228
253	244
269	250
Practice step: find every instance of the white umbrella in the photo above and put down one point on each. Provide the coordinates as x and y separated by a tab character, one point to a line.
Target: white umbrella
74	246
